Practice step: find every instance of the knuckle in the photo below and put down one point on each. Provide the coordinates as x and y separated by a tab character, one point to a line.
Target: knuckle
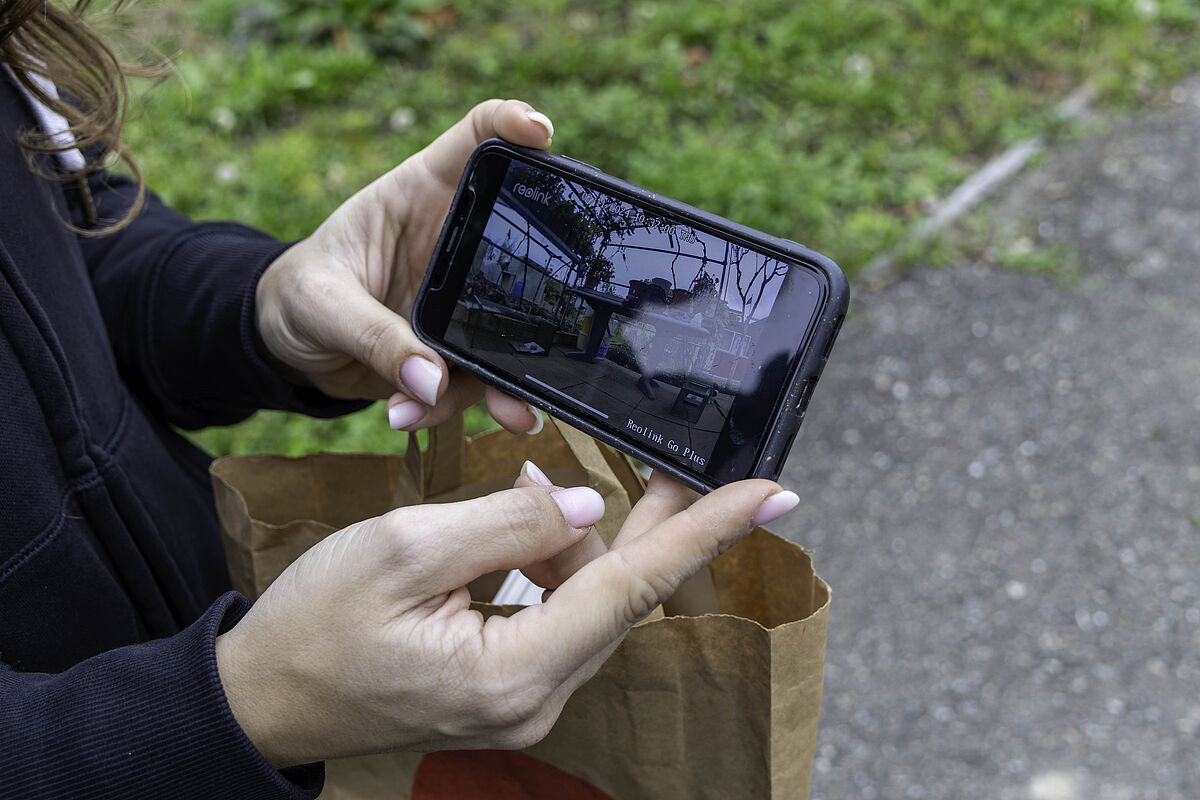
511	740
508	707
483	106
481	117
643	593
707	531
393	544
315	288
639	601
524	511
530	733
371	341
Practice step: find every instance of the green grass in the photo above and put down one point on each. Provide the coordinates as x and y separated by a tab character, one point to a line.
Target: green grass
296	435
832	122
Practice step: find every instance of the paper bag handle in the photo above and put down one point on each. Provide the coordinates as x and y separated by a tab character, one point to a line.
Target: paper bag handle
443	458
440	465
439	469
435	470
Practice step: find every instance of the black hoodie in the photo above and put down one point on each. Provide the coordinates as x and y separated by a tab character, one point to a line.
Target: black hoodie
113	583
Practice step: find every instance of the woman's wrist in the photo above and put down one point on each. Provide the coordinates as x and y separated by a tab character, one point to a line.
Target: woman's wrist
248	700
288	373
266	285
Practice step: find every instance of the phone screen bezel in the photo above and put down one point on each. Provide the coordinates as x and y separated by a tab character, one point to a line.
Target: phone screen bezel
451	263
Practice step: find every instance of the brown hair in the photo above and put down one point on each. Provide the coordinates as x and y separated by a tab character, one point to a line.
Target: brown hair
39	37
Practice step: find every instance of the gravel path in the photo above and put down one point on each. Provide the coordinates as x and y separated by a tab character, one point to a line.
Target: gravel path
1001	482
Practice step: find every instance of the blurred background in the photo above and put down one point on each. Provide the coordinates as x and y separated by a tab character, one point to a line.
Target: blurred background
837	123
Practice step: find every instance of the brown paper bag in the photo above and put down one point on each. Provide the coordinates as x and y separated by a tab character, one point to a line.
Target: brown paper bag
714	706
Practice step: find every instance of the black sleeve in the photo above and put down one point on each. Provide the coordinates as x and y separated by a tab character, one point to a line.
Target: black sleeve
148	720
178	302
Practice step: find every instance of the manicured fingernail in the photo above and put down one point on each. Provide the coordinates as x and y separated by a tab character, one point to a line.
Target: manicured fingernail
775	507
543	120
580	506
402	415
539	421
422	378
534	474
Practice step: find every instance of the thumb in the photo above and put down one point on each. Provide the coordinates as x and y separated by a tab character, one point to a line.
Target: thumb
513	120
451	544
384	341
595	607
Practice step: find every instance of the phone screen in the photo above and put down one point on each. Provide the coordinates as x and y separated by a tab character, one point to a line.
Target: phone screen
672	337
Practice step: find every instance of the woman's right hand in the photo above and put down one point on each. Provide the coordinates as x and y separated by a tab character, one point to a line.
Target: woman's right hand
336	305
367	643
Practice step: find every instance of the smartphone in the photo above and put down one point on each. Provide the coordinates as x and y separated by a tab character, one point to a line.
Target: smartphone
681	338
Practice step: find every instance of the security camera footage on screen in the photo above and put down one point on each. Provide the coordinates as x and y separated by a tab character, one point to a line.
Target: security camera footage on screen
650	324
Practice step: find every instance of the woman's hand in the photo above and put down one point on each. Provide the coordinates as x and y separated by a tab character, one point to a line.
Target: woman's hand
368	643
335	305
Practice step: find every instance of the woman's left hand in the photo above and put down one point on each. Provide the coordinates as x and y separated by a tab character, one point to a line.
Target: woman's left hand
336	305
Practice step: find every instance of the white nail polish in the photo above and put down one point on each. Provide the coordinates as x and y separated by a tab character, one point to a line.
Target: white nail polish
543	120
534	474
775	507
539	424
581	506
402	415
422	377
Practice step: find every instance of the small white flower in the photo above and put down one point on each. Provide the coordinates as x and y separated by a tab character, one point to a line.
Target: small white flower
402	119
304	79
1146	8
226	173
858	66
223	118
581	22
336	175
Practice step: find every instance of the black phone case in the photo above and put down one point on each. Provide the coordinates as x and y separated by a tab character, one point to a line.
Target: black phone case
787	413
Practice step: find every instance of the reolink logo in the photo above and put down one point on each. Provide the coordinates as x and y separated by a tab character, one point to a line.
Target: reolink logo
536	195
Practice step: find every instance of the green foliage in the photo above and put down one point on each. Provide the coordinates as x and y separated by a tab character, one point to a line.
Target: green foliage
366	431
832	122
828	122
386	27
1054	260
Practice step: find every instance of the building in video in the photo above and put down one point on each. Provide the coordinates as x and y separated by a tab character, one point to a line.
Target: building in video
629	315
